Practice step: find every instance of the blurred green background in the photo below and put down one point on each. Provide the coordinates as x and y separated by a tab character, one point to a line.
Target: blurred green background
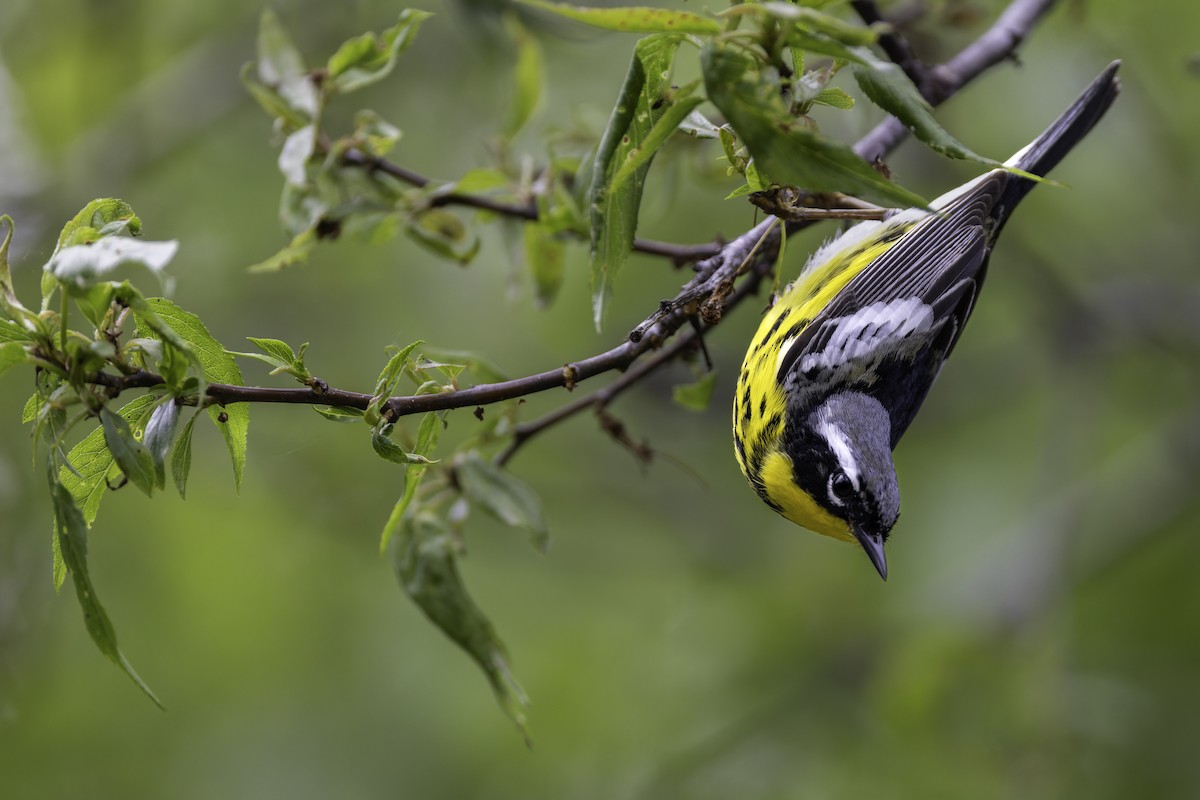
1038	637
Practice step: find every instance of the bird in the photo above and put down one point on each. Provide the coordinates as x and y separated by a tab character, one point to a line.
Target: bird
844	358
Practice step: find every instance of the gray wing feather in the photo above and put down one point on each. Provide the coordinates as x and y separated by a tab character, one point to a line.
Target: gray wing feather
940	261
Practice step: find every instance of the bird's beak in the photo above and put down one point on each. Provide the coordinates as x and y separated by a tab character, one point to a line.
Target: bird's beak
873	544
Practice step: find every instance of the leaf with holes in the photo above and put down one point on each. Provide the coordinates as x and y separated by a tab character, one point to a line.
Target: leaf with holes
647	111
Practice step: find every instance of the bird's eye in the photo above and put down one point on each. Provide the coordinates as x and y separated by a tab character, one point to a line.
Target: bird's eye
841	488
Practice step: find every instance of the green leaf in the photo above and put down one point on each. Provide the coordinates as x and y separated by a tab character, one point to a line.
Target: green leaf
272	101
59	566
808	41
480	367
385	384
633	19
281	69
131	455
503	495
369	58
889	88
741	191
104	216
12	332
663	127
477	181
424	558
30	411
729	145
696	396
545	254
384	446
623	157
12	354
70	532
373	134
95	302
782	147
754	179
174	366
427	438
91	459
150	327
160	431
809	20
6	284
527	79
95	243
388	450
835	98
279	356
181	455
443	233
218	366
428	434
9	304
274	347
297	251
339	414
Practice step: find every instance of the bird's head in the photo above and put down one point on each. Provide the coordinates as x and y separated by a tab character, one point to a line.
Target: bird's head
835	473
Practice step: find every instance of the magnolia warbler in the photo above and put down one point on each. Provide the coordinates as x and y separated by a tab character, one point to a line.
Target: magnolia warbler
844	358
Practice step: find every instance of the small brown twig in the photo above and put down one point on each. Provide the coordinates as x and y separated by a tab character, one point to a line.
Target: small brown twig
678	254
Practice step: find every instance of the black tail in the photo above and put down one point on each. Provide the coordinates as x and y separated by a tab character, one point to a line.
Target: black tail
1043	153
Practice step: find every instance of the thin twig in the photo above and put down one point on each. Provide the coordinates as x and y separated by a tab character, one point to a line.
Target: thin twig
760	269
711	273
597	399
679	254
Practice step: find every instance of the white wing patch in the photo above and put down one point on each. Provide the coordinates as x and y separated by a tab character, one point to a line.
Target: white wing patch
866	330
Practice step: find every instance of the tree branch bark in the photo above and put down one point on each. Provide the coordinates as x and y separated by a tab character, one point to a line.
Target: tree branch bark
709	293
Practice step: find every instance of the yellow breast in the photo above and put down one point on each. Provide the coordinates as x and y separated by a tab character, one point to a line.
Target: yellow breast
759	411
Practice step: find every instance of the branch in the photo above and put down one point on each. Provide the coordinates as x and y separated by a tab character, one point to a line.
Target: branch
996	44
601	398
895	46
710	292
679	254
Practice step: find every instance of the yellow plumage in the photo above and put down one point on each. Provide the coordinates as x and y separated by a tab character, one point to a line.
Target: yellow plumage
759	410
842	362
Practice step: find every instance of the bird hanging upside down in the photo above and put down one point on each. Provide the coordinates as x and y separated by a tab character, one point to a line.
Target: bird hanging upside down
843	360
